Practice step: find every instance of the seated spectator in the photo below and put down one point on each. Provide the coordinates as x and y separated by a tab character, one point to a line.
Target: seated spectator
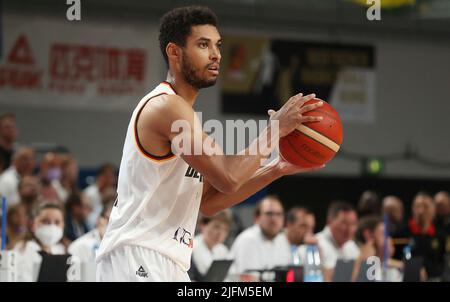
68	183
17	224
8	135
370	239
50	174
425	239
106	179
77	211
86	246
208	245
23	162
300	224
46	234
394	209
263	245
336	239
442	219
368	204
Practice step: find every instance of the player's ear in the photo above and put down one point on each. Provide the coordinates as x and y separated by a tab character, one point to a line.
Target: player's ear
173	51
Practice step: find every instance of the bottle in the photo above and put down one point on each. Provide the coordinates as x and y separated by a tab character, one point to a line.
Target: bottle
312	270
407	252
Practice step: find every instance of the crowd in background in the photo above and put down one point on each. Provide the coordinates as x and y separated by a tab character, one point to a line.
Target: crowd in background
277	238
47	210
49	213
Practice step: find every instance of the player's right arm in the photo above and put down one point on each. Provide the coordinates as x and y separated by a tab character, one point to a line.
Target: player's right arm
174	120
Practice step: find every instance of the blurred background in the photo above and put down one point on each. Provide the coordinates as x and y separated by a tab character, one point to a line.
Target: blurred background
68	88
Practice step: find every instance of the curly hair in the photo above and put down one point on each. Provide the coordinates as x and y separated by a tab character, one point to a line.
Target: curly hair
175	25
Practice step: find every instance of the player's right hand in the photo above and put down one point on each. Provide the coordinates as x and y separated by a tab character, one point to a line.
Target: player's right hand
290	116
286	168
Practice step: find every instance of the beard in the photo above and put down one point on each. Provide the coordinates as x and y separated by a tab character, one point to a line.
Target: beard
189	74
269	234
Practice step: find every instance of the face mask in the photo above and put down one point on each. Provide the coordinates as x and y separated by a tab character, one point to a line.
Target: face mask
49	234
53	174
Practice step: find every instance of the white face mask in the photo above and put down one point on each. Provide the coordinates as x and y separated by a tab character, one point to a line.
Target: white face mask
49	234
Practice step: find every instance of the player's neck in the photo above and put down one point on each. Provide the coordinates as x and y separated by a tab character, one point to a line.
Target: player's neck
182	88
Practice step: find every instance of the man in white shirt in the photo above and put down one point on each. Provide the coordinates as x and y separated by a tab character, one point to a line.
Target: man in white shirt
165	179
86	246
208	245
336	239
23	164
263	245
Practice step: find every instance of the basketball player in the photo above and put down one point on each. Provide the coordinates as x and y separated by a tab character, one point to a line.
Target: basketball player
160	192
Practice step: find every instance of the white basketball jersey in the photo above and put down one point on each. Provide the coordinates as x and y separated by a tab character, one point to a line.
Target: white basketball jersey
158	198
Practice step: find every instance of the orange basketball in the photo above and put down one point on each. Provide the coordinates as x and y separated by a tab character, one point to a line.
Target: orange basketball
316	143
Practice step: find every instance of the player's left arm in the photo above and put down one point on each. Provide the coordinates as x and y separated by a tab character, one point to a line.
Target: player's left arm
214	201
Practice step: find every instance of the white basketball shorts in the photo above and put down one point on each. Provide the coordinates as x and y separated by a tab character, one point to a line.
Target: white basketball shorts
131	263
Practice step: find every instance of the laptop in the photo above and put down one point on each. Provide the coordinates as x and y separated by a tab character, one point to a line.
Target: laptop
53	268
343	270
217	271
412	267
370	271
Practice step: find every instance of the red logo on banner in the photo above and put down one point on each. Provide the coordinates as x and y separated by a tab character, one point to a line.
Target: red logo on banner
19	71
21	52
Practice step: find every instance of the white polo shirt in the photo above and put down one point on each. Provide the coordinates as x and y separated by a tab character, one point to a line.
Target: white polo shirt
330	252
86	246
252	250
